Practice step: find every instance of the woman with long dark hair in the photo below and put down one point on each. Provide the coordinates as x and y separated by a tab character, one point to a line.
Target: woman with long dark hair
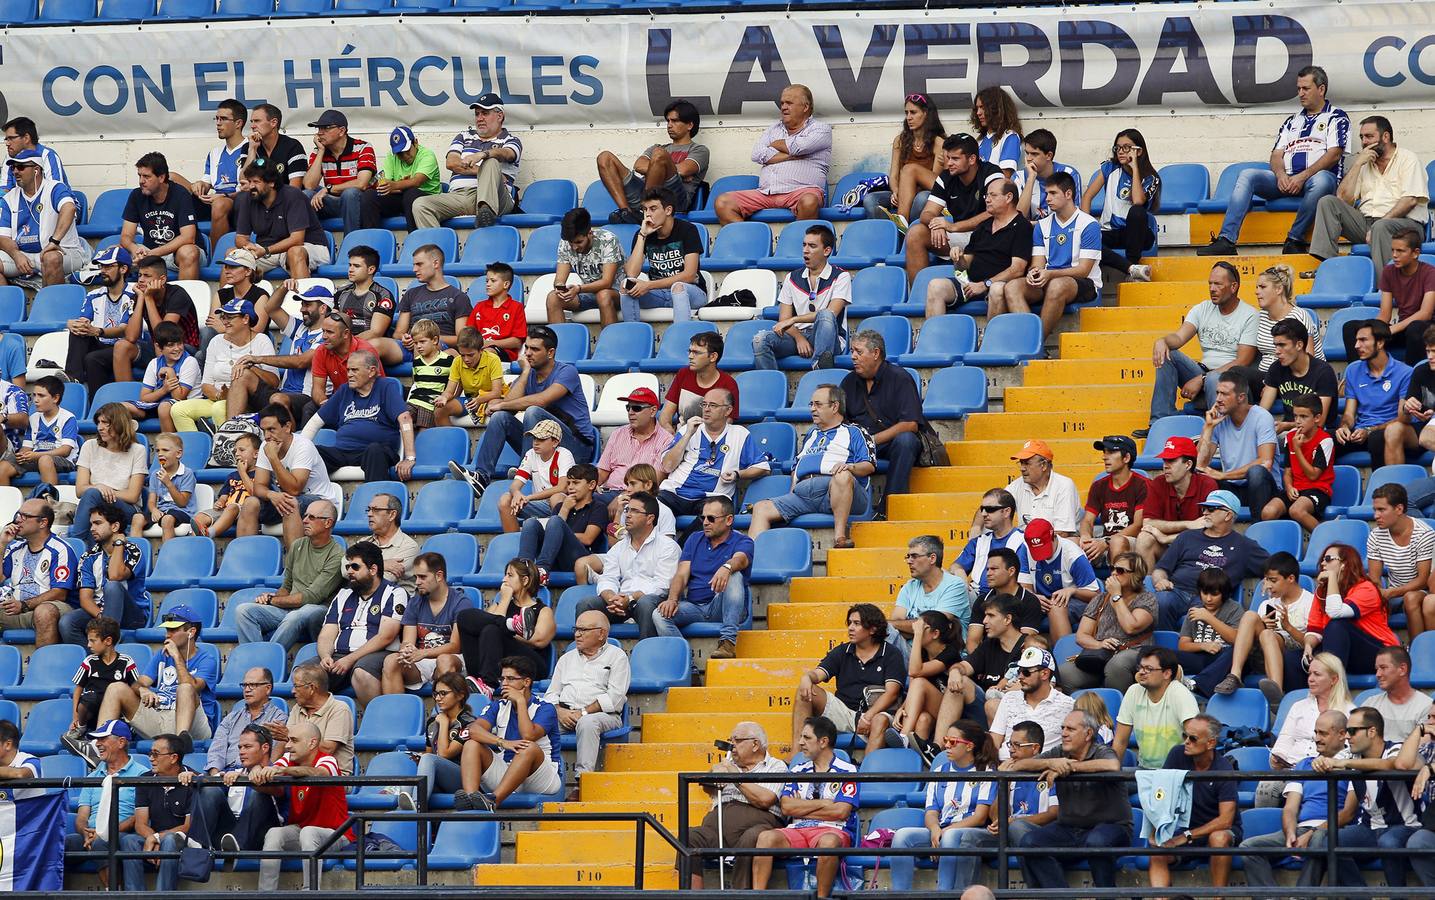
998	129
936	647
517	623
447	730
1348	618
957	811
1132	190
916	155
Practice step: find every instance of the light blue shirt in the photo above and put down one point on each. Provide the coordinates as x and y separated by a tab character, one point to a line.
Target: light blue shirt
1240	445
90	796
950	597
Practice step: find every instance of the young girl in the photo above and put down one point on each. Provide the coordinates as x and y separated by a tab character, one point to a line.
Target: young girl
1091	702
916	160
998	128
1132	190
518	623
431	374
447	730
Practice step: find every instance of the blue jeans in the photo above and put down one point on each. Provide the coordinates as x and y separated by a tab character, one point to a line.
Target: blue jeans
1397	868
1173	606
1050	871
290	627
768	345
1177	370
901	454
168	879
505	428
681	298
1424	864
358	209
1254	183
114	602
1347	868
1421	492
1257	490
642	612
729	607
86	504
442	775
876	201
951	870
550	543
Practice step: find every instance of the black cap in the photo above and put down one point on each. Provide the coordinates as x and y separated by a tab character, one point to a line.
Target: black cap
1116	442
330	118
487	101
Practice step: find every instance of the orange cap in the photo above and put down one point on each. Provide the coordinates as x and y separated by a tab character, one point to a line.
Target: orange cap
1035	448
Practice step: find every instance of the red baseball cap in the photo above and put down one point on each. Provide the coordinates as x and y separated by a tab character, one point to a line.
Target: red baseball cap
646	397
1177	447
1040	540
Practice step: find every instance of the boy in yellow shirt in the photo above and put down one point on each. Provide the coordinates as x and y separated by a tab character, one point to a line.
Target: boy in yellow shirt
475	379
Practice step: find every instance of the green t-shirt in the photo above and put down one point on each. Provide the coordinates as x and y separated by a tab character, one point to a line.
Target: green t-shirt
1156	727
424	163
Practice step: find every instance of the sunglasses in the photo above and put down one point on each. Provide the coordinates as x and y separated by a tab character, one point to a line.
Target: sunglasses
637	407
992	509
919	99
707	518
1190	738
1353	730
353	567
953	742
1330	559
1120	570
1027	671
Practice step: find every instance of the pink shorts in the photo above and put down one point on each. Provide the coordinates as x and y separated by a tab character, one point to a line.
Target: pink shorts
806	838
749	202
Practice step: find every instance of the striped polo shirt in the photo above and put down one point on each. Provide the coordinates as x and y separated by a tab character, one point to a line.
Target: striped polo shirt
1304	137
357	156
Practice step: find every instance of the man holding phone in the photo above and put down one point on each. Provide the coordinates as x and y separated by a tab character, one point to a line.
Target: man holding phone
1382	194
670	248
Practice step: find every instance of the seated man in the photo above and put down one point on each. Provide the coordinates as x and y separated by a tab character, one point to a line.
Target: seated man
708	457
112	578
39	221
812	308
869	675
995	530
882	400
226	750
1153	709
1407	298
832	473
1173	499
594	256
361	626
258	813
589	688
111	758
371	420
1038	146
340	169
994	260
483	160
1036	698
399	549
431	296
1244	437
90	359
317	705
1401	707
161	215
215	190
1398	554
931	587
710	584
1218	544
981	681
513	745
670	248
313	571
1041	492
1276	629
740	812
684	397
286	232
175	694
39	573
1297	373
1065	257
290	474
820	814
303	333
1375	386
367	306
1214	820
162	817
1382	194
429	644
678	167
638	570
1116	501
409	172
1226	330
313	813
959	191
794	153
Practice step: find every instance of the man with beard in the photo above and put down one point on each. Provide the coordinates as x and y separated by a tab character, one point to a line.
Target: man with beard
303	333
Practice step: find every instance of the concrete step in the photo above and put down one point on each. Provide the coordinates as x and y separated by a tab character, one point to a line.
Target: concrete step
801	615
1198	268
774	697
1053	425
665	812
998	449
704	726
738	673
896	533
1133	318
1258	227
959	507
878	589
615	786
864	560
589	847
1062	372
1081	395
676	757
609	875
800	644
1135	345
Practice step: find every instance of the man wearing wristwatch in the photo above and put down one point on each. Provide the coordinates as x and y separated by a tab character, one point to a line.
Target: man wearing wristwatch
38	225
1213	822
1417	754
484	161
372	421
710	584
286	231
996	256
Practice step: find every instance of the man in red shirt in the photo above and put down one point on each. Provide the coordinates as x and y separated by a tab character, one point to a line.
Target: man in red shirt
341	172
684	398
500	319
331	357
1173	501
1116	501
315	811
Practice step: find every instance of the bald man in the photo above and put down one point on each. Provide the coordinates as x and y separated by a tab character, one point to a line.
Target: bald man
314	811
589	688
747	809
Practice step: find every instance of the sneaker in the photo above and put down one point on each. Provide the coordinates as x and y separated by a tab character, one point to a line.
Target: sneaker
1218	247
406	802
925	749
51	364
725	650
625	216
206	425
542	576
1138	272
228	843
1228	685
481	686
482	801
823	361
1294	246
1190	684
894	738
484	216
461	802
475	481
1274	694
897	219
528	620
82	747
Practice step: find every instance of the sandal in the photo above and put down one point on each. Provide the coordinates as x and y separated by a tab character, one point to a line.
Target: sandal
844	543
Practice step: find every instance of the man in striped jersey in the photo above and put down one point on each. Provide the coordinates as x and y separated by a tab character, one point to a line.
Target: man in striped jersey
1398	555
1306	162
20	134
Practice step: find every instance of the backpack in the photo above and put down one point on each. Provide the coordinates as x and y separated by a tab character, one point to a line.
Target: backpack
222	455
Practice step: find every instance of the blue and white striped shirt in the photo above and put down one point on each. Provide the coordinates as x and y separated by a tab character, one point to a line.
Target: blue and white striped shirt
1304	138
1003	152
824	450
49	160
1038	208
954	801
706	458
1065	243
105	311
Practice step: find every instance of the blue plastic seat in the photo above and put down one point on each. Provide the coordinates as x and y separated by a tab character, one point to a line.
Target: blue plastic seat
598	202
500	243
247	9
356	517
620	347
876	291
248	561
896	332
1162	430
460	552
889	759
186	9
659	663
462	844
113	392
1183	187
12	304
867	242
737	345
565	611
844	184
391	722
781	554
64	765
1335	329
543	203
1422	660
203	601
954	392
572	341
18	12
67	11
916	303
798	410
1401	474
1340	531
540	251
48	674
440	506
787	255
395	760
708	215
500	550
1277	536
1226	186
362	6
739	245
761	393
9	666
943	341
486	519
140	653
262	655
381	241
1249	759
75	399
1339	281
227	631
776	439
47	721
434	447
304	7
1009	339
1287	702
672	355
1247	706
446	239
1109	696
126	10
53	306
182	562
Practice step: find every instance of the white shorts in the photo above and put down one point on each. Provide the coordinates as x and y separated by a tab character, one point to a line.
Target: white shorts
426	668
839	715
75	259
318	256
544	780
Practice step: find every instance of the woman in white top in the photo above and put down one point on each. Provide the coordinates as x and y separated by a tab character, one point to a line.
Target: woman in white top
1275	294
111	469
226	358
1296	740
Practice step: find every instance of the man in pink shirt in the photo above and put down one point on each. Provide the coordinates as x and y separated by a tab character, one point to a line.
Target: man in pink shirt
794	154
642	440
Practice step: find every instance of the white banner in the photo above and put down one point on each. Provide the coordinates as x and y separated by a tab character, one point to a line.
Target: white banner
620	71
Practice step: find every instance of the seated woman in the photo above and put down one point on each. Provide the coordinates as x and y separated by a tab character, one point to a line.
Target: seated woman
447	730
916	161
936	647
1113	629
1209	631
1132	189
1348	619
518	623
112	468
1091	702
957	811
1296	739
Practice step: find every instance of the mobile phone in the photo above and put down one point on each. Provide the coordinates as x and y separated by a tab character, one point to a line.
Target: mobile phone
724	746
629	283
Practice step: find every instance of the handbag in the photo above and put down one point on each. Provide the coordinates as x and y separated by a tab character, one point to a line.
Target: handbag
196	862
933	452
1093	661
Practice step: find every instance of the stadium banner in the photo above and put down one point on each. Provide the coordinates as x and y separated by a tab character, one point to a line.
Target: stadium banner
122	81
32	843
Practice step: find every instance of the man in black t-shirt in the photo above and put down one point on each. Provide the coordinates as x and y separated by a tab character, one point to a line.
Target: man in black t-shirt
163	218
869	673
1417	410
286	231
1003	568
161	818
670	248
269	148
1296	372
976	684
961	191
159	301
998	253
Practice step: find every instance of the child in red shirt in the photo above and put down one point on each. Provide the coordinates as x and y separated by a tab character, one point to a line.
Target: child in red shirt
1310	467
500	319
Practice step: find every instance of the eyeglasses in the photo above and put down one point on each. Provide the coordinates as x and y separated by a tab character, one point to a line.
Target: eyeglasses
511	678
738	740
246	685
25	515
991	509
1123	148
442	693
1015	744
817	404
318	518
1148	669
1188	738
158	753
707	405
707	518
580	629
1120	570
637	407
379	509
917	555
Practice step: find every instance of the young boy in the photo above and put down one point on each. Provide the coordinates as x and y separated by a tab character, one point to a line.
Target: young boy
545	465
53	444
1309	467
477	374
1039	147
1208	631
239	487
168	378
103	667
578	528
171	489
432	365
500	320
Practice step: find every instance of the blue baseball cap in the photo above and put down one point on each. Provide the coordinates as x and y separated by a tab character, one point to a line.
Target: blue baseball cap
401	139
27	157
317	293
1221	500
113	728
181	615
113	255
237	307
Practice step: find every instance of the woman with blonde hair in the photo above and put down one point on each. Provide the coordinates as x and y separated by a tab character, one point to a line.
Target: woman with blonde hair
1275	289
112	468
1296	739
1090	702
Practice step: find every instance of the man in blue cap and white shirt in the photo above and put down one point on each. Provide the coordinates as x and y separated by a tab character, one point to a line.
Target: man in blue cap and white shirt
92	820
410	172
299	335
91	358
39	219
175	695
1216	545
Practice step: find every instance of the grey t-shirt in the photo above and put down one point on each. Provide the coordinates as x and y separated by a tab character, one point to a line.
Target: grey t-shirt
698	153
1230	613
1400	720
1088	803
